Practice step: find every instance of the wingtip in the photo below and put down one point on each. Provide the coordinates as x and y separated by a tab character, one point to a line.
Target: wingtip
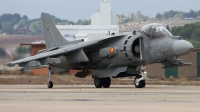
9	64
6	64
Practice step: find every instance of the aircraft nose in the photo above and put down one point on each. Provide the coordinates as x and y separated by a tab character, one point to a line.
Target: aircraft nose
182	47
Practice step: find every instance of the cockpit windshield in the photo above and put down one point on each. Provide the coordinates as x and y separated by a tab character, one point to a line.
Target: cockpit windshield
161	31
155	30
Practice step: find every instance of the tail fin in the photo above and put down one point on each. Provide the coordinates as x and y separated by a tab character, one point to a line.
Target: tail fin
52	36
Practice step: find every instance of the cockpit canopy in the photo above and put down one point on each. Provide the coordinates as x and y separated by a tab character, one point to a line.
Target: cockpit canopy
155	30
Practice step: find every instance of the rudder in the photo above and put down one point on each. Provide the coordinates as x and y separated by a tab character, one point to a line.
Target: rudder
52	36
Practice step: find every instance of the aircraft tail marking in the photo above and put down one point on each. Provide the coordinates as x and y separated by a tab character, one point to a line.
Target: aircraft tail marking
52	36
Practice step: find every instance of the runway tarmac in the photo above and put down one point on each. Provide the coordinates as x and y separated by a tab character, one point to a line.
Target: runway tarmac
86	98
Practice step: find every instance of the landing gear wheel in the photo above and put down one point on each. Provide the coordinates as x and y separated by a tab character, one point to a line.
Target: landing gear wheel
106	82
143	83
98	82
140	84
50	84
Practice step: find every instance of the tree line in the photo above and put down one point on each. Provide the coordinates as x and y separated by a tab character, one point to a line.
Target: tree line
189	32
10	22
2	52
17	24
19	50
23	49
138	17
178	14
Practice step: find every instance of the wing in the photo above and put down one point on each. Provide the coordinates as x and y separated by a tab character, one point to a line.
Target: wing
62	50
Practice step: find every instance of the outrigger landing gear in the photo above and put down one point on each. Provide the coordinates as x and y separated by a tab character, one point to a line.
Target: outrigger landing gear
50	83
140	79
99	82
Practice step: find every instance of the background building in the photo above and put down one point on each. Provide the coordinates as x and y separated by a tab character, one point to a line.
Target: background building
35	47
105	16
87	31
102	23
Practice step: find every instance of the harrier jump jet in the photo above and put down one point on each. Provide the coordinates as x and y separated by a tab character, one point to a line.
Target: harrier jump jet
117	55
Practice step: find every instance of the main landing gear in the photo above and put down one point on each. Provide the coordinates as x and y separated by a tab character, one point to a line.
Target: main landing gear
102	82
140	79
50	83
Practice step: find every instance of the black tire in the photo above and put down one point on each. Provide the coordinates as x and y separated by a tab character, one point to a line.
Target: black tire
98	82
143	83
139	84
50	84
106	82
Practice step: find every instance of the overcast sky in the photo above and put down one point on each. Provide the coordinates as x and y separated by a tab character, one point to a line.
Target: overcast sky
83	9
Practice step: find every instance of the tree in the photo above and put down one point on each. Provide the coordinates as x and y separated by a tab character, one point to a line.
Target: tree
8	28
144	19
179	16
167	27
71	23
36	27
185	32
23	49
175	30
159	16
192	14
17	17
83	22
172	13
23	23
198	13
165	15
20	50
122	16
2	52
196	34
25	17
0	26
6	18
118	16
29	49
14	21
79	22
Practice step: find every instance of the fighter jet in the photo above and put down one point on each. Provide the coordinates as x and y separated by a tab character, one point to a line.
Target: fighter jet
116	55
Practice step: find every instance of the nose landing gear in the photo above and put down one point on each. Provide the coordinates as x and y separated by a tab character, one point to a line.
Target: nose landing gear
140	79
139	84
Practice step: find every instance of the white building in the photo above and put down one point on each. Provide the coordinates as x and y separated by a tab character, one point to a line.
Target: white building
105	16
87	31
102	23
